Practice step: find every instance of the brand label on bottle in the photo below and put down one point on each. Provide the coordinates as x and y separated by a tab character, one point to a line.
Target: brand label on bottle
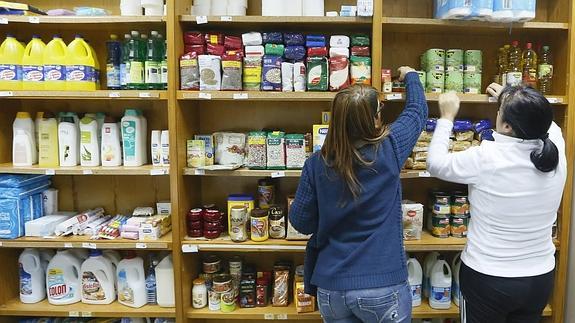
129	139
441	294
545	70
113	76
91	287
123	74
151	288
57	287
514	78
166	155
164	72
86	138
153	72
80	73
416	293
25	281
32	73
54	73
10	72
125	293
136	71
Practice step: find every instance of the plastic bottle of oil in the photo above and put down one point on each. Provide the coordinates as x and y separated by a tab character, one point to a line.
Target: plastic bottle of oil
501	76
545	71
136	58
514	71
529	62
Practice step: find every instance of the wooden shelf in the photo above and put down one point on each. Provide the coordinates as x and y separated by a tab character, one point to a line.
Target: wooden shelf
8	168
422	25
15	308
224	244
256	96
84	242
86	95
271	20
470	98
76	20
245	172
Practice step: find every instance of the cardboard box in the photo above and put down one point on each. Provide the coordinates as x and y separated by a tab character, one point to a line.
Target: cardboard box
164	207
46	225
319	136
209	147
386	81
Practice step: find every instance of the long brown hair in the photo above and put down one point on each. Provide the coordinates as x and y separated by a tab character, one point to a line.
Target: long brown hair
353	114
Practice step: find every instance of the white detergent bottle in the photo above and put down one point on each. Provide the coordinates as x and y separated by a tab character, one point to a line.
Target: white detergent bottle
156	147
111	150
32	277
63	279
455	287
89	145
415	280
39	116
165	283
132	132
22	149
131	281
100	118
68	141
113	256
98	279
45	256
428	264
24	122
81	254
440	298
165	142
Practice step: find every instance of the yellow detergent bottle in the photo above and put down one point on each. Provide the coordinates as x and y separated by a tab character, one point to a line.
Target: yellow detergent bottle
96	67
55	65
33	65
80	66
11	52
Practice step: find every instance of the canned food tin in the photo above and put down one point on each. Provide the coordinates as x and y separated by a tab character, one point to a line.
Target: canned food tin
441	203
212	264
459	226
454	60
228	302
222	283
472	83
277	222
460	204
441	226
435	82
473	61
259	225
214	300
454	81
235	265
435	59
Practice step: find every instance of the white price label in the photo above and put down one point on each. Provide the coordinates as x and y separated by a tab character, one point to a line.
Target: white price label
89	245
278	174
553	100
205	96
3	21
157	172
394	96
226	18
282	316
86	314
199	172
50	172
6	93
189	248
145	95
200	20
241	96
88	172
49	237
0	243
34	20
470	68
68	245
424	174
141	245
268	316
73	314
492	100
114	95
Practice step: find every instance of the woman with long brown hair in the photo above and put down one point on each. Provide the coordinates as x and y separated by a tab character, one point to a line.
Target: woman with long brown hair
349	199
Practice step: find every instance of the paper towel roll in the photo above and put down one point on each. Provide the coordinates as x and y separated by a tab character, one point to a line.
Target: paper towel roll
272	7
201	10
219	8
313	8
154	11
50	201
458	13
152	3
237	10
131	8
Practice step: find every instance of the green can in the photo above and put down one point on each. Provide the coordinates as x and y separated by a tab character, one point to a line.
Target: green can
423	61
435	60
435	82
454	81
459	226
473	60
441	227
471	83
422	77
228	302
454	60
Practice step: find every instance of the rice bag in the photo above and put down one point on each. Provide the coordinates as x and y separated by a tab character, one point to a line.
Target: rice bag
360	70
299	77
230	148
214	38
271	73
287	77
361	51
360	40
317	74
189	72
216	49
462	125
255	51
210	72
338	73
233	42
194	38
252	73
276	150
273	38
252	39
257	151
335	52
482	125
430	125
317	51
198	49
315	41
294	53
275	49
339	41
232	72
294	39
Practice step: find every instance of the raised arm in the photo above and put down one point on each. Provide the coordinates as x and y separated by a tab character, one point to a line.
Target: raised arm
303	214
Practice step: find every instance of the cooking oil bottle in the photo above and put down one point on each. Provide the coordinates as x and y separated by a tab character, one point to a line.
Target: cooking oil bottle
545	71
502	64
529	62
514	71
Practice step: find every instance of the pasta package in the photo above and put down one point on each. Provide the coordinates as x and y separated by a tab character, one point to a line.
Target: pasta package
337	51
252	78
287	77
189	72
273	38
420	156
194	38
210	73
338	73
361	70
294	39
315	41
299	77
281	288
317	74
425	136
360	40
295	53
461	145
271	73
412	220
232	72
230	148
422	165
233	42
257	51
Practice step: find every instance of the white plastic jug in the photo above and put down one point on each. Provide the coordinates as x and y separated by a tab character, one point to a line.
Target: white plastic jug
113	256
428	264
165	282
111	148
32	277
45	256
89	144
22	149
131	281
455	287
440	298
63	279
415	280
68	141
98	279
133	135
24	122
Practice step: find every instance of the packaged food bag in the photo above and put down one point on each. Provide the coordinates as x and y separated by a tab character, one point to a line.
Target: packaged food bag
230	148
232	72
252	78
210	73
287	77
361	70
271	73
338	73
189	72
317	74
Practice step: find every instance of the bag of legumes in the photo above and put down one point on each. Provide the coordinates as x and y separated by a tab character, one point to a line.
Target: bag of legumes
230	148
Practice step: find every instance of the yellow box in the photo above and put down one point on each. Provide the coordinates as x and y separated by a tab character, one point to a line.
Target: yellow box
319	135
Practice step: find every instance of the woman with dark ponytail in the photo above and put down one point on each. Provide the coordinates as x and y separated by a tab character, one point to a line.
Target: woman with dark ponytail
515	188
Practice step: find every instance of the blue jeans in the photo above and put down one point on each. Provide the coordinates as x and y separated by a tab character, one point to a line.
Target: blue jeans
378	305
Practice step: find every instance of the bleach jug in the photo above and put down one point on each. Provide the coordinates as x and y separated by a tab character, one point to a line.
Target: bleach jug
455	287
22	149
89	145
80	66
24	122
63	280
440	298
131	281
55	65
165	283
33	65
98	279
428	264
11	53
45	256
113	256
32	277
415	280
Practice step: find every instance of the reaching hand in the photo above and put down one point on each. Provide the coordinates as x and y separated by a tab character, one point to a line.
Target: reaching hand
495	89
449	105
403	71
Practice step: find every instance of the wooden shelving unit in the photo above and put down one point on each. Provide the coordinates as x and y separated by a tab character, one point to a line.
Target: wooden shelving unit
79	170
72	95
79	20
259	20
245	172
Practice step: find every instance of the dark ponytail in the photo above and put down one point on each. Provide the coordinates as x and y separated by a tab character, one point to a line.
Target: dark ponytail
530	116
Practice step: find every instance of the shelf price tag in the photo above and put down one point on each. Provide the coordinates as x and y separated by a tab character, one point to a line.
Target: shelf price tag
241	96
34	20
199	172
278	174
6	93
86	314
50	172
553	100
189	248
3	21
114	95
205	96
68	245
424	174
157	172
226	18
0	243
268	316
88	172
89	245
73	314
145	95
141	245
282	316
49	237
394	96
200	20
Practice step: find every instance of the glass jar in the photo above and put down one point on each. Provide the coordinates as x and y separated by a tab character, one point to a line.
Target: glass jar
199	293
277	222
259	225
266	193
